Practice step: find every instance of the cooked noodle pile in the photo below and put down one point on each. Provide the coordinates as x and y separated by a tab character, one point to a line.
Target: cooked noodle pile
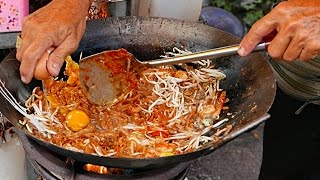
167	112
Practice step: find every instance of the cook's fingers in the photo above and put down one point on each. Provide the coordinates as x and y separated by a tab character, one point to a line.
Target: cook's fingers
278	45
22	49
294	49
24	40
57	57
308	54
259	30
40	71
30	57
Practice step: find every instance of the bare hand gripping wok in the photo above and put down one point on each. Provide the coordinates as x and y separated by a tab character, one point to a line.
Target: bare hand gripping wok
105	86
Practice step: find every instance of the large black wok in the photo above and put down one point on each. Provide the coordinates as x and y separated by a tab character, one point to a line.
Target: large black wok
250	84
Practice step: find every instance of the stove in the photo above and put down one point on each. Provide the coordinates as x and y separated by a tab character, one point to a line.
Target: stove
50	166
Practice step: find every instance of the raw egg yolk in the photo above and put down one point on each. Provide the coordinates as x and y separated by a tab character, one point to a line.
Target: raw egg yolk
77	120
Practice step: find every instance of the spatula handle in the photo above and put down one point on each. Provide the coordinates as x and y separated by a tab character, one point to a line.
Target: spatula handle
209	54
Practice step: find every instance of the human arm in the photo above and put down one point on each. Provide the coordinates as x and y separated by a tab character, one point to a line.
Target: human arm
60	26
298	25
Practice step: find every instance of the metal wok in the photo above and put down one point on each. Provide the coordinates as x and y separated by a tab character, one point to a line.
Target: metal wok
250	84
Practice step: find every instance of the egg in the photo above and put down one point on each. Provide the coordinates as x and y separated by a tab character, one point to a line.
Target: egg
181	74
77	120
165	154
40	71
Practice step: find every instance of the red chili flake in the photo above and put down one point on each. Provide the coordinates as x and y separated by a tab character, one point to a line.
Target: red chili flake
86	78
159	133
132	82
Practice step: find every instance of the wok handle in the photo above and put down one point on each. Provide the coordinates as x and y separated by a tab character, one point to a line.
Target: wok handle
209	54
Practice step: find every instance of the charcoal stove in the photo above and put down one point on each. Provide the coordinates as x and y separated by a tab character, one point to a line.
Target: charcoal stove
50	166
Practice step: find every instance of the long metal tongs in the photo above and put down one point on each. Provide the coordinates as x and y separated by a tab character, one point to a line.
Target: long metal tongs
209	54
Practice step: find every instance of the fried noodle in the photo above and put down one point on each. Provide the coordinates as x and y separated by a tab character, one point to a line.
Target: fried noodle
167	112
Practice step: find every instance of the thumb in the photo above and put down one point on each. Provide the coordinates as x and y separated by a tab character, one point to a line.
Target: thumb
257	32
58	56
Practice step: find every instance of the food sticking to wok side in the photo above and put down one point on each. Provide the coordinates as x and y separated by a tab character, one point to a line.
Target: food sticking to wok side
165	112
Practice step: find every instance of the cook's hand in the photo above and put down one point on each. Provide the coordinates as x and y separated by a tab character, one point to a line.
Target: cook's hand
297	23
59	25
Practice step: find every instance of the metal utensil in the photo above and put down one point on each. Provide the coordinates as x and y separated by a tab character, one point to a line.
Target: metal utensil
209	54
103	87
